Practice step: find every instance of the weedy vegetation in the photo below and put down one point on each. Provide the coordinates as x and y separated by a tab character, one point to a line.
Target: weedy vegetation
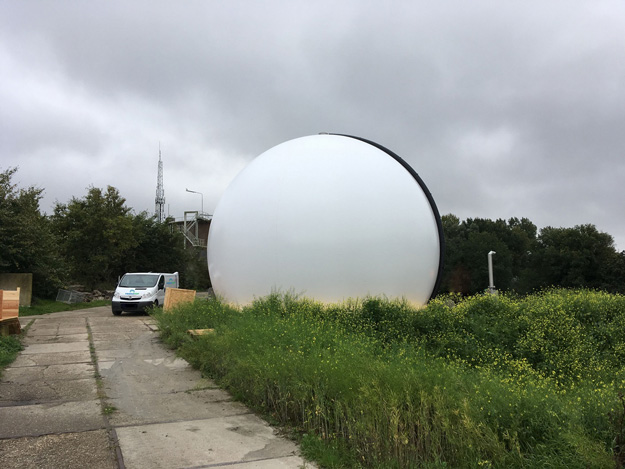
535	381
109	410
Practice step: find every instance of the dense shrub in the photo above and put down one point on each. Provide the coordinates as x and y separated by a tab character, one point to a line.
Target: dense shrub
485	381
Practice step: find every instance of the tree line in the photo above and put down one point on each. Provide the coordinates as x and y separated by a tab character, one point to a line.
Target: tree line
89	241
92	240
528	259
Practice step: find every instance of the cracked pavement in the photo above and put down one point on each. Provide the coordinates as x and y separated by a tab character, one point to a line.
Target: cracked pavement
95	390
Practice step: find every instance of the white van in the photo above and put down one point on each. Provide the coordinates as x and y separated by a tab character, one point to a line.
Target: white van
137	291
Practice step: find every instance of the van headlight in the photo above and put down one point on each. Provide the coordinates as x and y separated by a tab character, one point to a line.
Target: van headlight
116	295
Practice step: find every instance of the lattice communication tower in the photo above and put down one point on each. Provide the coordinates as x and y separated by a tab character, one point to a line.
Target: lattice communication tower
159	207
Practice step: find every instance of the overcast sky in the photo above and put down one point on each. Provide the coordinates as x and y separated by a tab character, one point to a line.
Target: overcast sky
505	109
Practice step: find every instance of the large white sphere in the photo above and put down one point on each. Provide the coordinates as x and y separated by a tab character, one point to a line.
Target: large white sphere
329	217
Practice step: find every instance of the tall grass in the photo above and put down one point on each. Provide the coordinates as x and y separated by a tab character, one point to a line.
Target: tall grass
481	382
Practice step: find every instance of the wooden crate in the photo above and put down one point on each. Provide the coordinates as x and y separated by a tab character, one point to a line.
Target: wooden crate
175	296
9	304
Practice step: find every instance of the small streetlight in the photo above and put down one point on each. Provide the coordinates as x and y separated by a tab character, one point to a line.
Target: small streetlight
491	283
202	195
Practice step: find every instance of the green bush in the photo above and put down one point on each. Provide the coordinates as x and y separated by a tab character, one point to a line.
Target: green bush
481	382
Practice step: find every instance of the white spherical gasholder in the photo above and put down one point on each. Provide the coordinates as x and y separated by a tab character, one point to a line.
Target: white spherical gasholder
329	217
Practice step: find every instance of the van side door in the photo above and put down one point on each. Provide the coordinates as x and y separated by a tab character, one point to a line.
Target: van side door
160	293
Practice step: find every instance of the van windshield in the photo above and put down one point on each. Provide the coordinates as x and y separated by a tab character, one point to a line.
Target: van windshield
141	280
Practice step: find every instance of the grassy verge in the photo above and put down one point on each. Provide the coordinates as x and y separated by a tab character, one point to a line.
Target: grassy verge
481	382
51	306
10	346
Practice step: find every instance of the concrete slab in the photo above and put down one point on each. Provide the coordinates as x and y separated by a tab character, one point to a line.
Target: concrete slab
72	328
55	322
290	462
124	377
212	442
167	414
42	419
103	328
115	344
123	319
153	408
81	313
48	391
37	359
172	363
112	355
115	336
60	329
56	348
112	321
45	320
50	329
68	450
52	339
58	317
139	351
30	375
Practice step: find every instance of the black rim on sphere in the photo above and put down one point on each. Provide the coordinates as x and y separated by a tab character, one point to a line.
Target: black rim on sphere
426	191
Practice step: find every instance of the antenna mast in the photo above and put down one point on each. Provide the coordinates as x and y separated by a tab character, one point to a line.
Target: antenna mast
159	207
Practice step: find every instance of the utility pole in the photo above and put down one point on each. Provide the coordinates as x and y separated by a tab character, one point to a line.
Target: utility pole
159	205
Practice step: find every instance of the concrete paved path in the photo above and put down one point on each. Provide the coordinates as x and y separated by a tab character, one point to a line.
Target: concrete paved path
93	390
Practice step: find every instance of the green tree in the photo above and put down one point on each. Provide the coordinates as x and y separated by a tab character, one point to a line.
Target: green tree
456	275
467	246
567	257
102	239
27	244
616	268
196	272
577	257
95	234
159	248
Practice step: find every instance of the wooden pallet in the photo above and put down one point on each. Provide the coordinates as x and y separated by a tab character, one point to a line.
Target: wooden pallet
198	332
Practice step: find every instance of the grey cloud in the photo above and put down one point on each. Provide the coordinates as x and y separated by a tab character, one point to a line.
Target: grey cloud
511	109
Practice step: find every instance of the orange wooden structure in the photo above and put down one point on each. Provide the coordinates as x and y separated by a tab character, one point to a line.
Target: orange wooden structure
175	296
9	311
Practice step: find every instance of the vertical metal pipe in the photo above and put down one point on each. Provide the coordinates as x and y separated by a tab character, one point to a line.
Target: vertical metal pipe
491	283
